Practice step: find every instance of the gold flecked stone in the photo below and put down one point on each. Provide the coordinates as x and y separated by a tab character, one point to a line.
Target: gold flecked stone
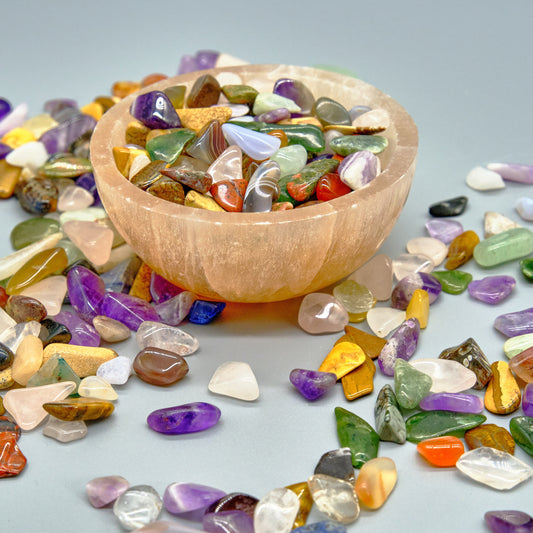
6	378
197	118
196	199
503	393
84	360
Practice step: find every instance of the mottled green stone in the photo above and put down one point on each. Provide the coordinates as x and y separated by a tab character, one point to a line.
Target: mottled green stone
284	195
32	230
302	185
410	385
168	147
431	424
240	94
330	112
348	144
390	424
522	431
358	435
176	95
503	247
307	135
526	266
55	370
453	281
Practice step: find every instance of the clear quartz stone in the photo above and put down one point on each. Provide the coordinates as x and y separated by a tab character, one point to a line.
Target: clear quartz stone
12	336
406	264
235	379
65	430
382	320
275	512
138	506
495	223
165	337
495	468
435	249
447	375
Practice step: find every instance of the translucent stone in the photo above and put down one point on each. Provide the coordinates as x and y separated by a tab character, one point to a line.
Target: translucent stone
6	321
28	359
483	179
183	419
190	499
495	468
102	491
312	384
276	511
111	330
511	347
359	169
50	292
503	247
98	388
354	297
160	367
342	359
337	464
235	379
129	310
334	497
137	507
433	248
32	155
452	401
375	482
74	197
227	522
418	307
524	207
403	292
228	165
12	460
453	281
265	102
65	431
90	214
446	375
509	522
291	159
513	171
116	371
82	333
262	188
321	313
495	223
25	405
430	424
55	370
491	289
522	426
401	345
348	144
382	320
522	365
173	311
94	240
461	249
410	385
12	336
441	451
257	145
443	229
169	338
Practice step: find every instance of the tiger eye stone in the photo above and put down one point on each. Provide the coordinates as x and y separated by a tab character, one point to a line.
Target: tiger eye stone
37	268
461	249
370	344
503	394
79	409
359	382
343	358
492	436
124	158
205	92
141	284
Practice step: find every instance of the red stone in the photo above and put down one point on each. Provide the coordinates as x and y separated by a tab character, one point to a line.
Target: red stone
331	186
229	194
12	460
3	297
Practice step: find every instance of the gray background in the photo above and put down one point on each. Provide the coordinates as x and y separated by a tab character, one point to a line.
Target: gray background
464	72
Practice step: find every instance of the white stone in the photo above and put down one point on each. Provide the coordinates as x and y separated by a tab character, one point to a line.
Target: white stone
524	207
433	248
73	197
228	78
31	155
495	468
483	179
98	388
65	430
226	60
138	164
495	223
117	371
373	119
276	511
382	320
406	264
447	375
12	336
89	213
235	379
165	337
137	507
50	292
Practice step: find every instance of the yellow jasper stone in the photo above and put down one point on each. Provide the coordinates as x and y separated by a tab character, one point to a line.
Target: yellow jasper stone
28	359
17	137
503	393
2	410
84	360
303	120
79	409
6	378
9	176
196	199
375	482
370	344
197	118
37	268
418	307
40	124
124	157
359	382
343	358
94	109
140	287
306	502
136	133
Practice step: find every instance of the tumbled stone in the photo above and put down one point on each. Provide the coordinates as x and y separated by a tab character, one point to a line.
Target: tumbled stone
228	522
406	264
418	308
452	401
50	292
515	345
160	367
449	208
325	526
86	292
312	384
370	344
259	146
452	281
12	336
229	194
441	451
430	424
517	323
342	359
376	275
358	169
6	356
28	359
503	394
483	179
110	330
83	360
390	425
446	375
375	482
94	240
461	249
402	345
235	501
82	333
173	311
522	432
305	501
190	499
410	385
492	289
349	144
276	511
79	409
403	292
32	230
382	320
38	196
527	399
8	427
55	370
24	308
359	382
492	436
204	311
524	207
495	223
6	379
12	460
181	419
158	335
443	229
155	110
334	497
433	248
513	171
337	464
97	388
102	491
522	365
235	379
355	433
129	310
509	522
354	297
137	506
116	371
263	188
503	247
65	431
494	468
321	313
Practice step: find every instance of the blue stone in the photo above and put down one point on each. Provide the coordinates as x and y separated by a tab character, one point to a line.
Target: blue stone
321	527
203	312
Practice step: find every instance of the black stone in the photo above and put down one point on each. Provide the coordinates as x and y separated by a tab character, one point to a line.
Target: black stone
449	208
52	331
338	464
6	357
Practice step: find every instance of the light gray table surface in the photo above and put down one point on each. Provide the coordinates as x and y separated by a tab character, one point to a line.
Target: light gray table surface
464	72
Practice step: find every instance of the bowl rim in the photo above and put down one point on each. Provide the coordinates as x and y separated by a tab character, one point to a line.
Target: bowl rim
105	170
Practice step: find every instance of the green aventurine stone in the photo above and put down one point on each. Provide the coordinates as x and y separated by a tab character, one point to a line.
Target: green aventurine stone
526	266
453	281
348	144
176	95
410	385
169	146
522	431
358	435
390	424
32	230
515	345
505	246
431	424
240	94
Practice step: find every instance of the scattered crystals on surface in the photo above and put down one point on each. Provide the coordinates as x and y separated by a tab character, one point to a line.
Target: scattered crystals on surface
452	401
354	297
137	506
342	359
102	491
449	208
181	419
312	384
96	387
405	264
441	451
359	382
334	497
521	428
483	179
190	499
235	501
235	379
410	385
337	463
524	207
65	431
204	312
12	460
453	281
461	249
321	313
390	424
160	367
508	245
81	333
79	409
503	393
129	310
404	289
492	289
84	360
228	522
444	230
495	223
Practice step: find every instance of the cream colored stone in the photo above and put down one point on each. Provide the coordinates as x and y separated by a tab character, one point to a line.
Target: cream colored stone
50	292
97	388
28	359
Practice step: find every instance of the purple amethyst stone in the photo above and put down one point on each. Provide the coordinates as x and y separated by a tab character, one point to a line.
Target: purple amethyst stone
129	310
403	292
55	106
312	384
296	91
449	401
401	345
517	323
155	111
83	334
4	150
161	289
85	291
359	169
492	289
228	522
190	499
59	139
513	171
273	116
444	230
182	419
527	400
509	522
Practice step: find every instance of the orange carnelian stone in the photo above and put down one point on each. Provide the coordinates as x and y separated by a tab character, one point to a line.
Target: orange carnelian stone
281	135
330	186
441	451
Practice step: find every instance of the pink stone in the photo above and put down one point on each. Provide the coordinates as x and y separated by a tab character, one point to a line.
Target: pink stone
102	491
93	239
376	276
322	313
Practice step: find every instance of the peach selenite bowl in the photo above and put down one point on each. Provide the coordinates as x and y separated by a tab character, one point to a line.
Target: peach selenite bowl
261	257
